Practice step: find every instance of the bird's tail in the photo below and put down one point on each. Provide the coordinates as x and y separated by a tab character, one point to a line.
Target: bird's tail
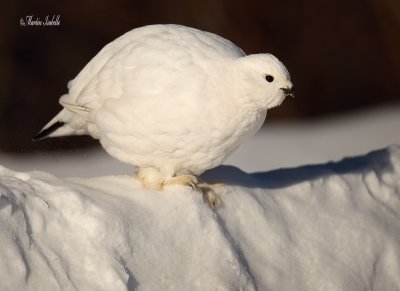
64	123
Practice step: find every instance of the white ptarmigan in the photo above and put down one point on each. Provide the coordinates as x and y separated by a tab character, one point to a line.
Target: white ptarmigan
172	100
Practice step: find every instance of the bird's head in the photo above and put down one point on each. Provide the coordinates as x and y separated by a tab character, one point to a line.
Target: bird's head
264	80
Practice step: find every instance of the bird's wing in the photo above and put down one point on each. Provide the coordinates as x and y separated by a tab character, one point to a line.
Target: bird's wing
75	108
144	62
82	83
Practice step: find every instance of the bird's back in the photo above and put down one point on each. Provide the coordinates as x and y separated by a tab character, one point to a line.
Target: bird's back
147	47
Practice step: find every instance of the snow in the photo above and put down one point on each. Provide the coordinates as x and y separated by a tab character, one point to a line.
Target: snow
325	226
331	226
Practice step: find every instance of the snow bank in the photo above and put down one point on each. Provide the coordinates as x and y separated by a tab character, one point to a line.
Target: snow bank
325	227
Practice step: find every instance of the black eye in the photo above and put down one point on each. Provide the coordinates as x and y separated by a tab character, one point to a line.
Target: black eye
269	78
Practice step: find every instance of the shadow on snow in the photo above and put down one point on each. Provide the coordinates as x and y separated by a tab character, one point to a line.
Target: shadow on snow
378	161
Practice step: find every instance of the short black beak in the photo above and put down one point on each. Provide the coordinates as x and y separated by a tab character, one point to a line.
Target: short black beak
288	91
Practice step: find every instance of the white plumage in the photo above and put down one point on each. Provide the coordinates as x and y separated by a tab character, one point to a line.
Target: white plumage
171	100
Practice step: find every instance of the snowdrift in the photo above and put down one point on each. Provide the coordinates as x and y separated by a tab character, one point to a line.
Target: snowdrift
334	226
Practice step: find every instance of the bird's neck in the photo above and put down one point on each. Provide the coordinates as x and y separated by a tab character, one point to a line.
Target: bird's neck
239	116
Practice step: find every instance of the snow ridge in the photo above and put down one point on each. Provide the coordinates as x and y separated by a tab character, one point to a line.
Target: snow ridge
333	226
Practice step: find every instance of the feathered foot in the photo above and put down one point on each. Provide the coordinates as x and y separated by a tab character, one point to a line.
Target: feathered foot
151	178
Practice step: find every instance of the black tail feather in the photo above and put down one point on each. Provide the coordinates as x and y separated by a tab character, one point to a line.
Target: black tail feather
45	132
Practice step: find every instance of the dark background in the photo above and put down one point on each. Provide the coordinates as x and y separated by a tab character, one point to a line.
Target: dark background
342	55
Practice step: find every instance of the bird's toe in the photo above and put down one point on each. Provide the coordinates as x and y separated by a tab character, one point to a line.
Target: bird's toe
185	180
207	190
212	198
